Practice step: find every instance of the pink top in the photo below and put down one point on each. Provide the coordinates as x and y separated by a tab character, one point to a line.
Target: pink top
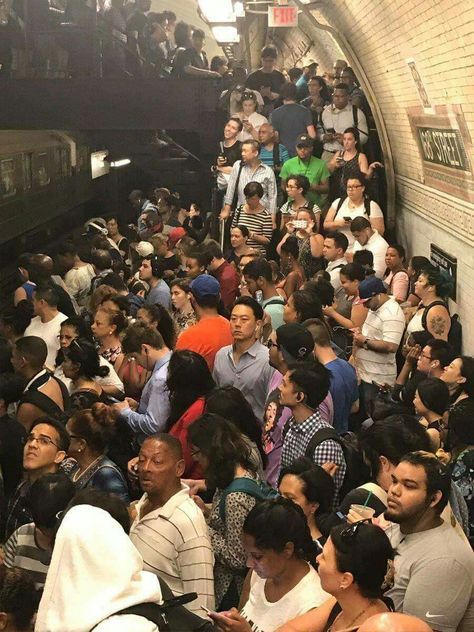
398	285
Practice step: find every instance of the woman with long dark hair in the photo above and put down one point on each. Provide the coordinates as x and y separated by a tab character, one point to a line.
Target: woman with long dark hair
189	383
225	458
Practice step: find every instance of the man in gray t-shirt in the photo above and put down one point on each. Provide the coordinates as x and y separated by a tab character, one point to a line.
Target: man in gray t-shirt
152	271
434	565
291	119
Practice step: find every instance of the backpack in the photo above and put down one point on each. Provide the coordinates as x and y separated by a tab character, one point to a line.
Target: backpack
455	333
357	472
257	489
171	615
47	405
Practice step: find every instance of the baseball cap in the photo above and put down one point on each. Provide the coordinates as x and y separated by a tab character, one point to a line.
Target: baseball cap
295	340
371	286
144	249
175	235
205	285
304	141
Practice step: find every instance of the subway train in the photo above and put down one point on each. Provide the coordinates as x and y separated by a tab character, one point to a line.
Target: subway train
45	183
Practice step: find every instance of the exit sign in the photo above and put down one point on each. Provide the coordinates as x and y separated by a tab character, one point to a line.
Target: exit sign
282	16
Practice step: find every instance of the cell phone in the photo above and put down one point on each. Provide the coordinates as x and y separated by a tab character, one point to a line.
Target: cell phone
113	400
346	218
340	515
206	610
300	223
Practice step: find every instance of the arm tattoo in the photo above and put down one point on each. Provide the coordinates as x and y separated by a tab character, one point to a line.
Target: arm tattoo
438	325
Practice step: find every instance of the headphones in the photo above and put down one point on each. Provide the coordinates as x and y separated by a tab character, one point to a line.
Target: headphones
96	224
157	266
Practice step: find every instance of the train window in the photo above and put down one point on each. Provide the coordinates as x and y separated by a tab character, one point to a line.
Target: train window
41	175
27	171
7	177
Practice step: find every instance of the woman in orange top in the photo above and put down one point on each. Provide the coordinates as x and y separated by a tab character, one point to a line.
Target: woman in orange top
189	383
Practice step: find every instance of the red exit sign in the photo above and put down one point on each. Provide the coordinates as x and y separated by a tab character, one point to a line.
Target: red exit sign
282	16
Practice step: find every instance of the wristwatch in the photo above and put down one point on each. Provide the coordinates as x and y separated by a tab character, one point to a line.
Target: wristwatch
365	344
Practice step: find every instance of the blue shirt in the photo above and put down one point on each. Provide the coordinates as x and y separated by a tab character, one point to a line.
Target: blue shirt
266	155
344	390
159	294
154	408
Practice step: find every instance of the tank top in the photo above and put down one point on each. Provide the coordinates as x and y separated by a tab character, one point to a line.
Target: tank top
349	169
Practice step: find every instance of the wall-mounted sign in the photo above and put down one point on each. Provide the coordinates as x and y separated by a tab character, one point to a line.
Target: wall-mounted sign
446	149
282	16
420	86
447	263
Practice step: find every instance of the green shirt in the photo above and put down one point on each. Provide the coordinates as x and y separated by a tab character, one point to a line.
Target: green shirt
315	170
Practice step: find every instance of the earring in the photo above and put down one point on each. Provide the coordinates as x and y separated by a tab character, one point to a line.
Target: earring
79	449
110	333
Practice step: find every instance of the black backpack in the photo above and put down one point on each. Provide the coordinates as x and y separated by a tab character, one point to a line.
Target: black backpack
357	472
455	332
366	205
171	615
47	405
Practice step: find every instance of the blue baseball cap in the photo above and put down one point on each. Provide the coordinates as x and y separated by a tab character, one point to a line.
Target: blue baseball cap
205	285
371	287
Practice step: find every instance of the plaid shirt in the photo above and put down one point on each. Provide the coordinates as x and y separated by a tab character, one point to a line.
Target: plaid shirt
297	439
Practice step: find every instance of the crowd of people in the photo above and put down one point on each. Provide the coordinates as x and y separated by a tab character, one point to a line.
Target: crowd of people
263	412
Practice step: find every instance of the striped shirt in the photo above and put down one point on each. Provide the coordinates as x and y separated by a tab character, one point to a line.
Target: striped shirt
262	174
259	223
387	323
22	551
175	545
297	440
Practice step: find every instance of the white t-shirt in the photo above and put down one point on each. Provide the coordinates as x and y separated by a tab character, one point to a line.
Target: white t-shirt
378	247
358	211
112	379
267	617
257	120
49	332
387	324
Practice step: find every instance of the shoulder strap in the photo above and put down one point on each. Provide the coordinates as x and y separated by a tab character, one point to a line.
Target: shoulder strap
276	155
241	484
319	437
42	401
339	204
355	116
236	189
276	301
424	316
150	611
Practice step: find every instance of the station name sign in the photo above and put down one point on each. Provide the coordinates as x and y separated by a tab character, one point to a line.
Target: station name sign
445	148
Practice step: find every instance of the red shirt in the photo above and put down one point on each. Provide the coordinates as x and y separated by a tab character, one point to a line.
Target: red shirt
206	337
180	431
229	281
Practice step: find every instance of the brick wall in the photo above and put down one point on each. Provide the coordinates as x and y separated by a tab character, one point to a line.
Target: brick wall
440	37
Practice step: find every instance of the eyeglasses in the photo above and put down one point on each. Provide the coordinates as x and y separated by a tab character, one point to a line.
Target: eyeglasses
354	186
43	440
291	186
427	357
350	531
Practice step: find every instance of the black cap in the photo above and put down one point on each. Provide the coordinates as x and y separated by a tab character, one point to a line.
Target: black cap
296	341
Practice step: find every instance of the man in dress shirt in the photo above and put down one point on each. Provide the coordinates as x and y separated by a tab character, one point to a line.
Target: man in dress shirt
253	170
244	364
144	345
336	118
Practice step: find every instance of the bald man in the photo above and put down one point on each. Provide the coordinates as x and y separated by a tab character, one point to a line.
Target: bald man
394	622
272	153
